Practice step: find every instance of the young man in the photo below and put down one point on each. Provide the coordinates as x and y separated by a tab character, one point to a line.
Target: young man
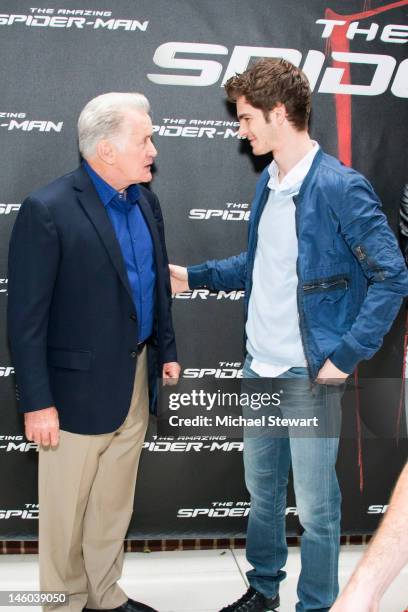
89	297
324	280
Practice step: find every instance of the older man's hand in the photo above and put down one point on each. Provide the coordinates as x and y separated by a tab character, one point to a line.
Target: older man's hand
171	373
42	426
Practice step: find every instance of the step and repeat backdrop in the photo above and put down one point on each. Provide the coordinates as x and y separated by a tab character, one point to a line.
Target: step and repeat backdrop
56	56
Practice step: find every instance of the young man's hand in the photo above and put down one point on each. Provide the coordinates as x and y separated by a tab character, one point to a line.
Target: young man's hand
330	375
179	279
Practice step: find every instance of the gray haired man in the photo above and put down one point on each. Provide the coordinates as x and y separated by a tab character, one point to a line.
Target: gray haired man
89	297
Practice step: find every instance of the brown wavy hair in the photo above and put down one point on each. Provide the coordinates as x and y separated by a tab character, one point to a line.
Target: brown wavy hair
271	81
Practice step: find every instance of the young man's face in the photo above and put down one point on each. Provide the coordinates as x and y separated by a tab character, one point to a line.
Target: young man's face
253	126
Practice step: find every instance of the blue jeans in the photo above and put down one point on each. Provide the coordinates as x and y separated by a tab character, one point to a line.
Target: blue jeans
267	459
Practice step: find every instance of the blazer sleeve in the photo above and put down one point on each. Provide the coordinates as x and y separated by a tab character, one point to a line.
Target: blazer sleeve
169	351
32	268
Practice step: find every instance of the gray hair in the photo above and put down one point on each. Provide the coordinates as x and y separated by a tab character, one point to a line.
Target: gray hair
103	117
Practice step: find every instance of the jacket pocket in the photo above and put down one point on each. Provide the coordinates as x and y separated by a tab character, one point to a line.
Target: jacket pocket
69	359
328	309
332	288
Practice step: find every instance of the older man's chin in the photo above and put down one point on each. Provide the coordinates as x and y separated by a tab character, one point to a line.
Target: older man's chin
147	176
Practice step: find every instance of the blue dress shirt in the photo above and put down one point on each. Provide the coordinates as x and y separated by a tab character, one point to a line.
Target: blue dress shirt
136	245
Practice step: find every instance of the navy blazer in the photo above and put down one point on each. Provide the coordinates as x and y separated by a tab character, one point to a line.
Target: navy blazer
71	319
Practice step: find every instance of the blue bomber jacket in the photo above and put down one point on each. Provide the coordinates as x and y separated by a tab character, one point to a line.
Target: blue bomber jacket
351	274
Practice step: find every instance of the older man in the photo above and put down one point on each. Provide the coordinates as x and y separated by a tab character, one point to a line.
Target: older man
89	298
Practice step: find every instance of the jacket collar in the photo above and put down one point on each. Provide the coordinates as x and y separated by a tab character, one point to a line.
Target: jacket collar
310	175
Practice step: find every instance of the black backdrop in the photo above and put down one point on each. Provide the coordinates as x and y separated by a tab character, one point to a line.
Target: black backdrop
59	55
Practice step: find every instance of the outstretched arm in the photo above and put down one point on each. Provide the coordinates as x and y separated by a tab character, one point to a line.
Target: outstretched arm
217	274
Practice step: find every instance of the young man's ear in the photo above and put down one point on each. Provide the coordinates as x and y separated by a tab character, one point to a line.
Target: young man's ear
279	111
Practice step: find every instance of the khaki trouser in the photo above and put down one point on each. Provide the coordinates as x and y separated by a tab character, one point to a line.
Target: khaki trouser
86	495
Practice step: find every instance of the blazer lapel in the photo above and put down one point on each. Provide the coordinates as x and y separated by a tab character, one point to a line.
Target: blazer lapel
152	225
95	210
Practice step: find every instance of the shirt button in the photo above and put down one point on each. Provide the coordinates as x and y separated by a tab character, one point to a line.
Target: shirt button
133	354
133	317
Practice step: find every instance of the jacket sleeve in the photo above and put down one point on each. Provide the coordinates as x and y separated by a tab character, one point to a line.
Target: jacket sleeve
169	341
366	231
32	268
219	275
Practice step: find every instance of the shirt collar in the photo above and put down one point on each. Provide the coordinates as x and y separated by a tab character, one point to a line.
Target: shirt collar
107	193
294	178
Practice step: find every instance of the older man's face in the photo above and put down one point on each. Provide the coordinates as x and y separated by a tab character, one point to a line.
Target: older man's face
135	152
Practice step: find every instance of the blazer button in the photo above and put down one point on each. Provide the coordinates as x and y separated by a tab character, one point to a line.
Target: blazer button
133	354
133	317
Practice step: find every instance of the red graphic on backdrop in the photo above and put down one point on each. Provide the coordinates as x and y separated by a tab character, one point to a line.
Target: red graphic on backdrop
338	41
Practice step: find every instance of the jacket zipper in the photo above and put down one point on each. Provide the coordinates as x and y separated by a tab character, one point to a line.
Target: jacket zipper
327	285
359	251
299	298
252	246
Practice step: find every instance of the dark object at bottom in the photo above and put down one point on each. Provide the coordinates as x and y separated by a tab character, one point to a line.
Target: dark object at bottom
253	601
129	606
